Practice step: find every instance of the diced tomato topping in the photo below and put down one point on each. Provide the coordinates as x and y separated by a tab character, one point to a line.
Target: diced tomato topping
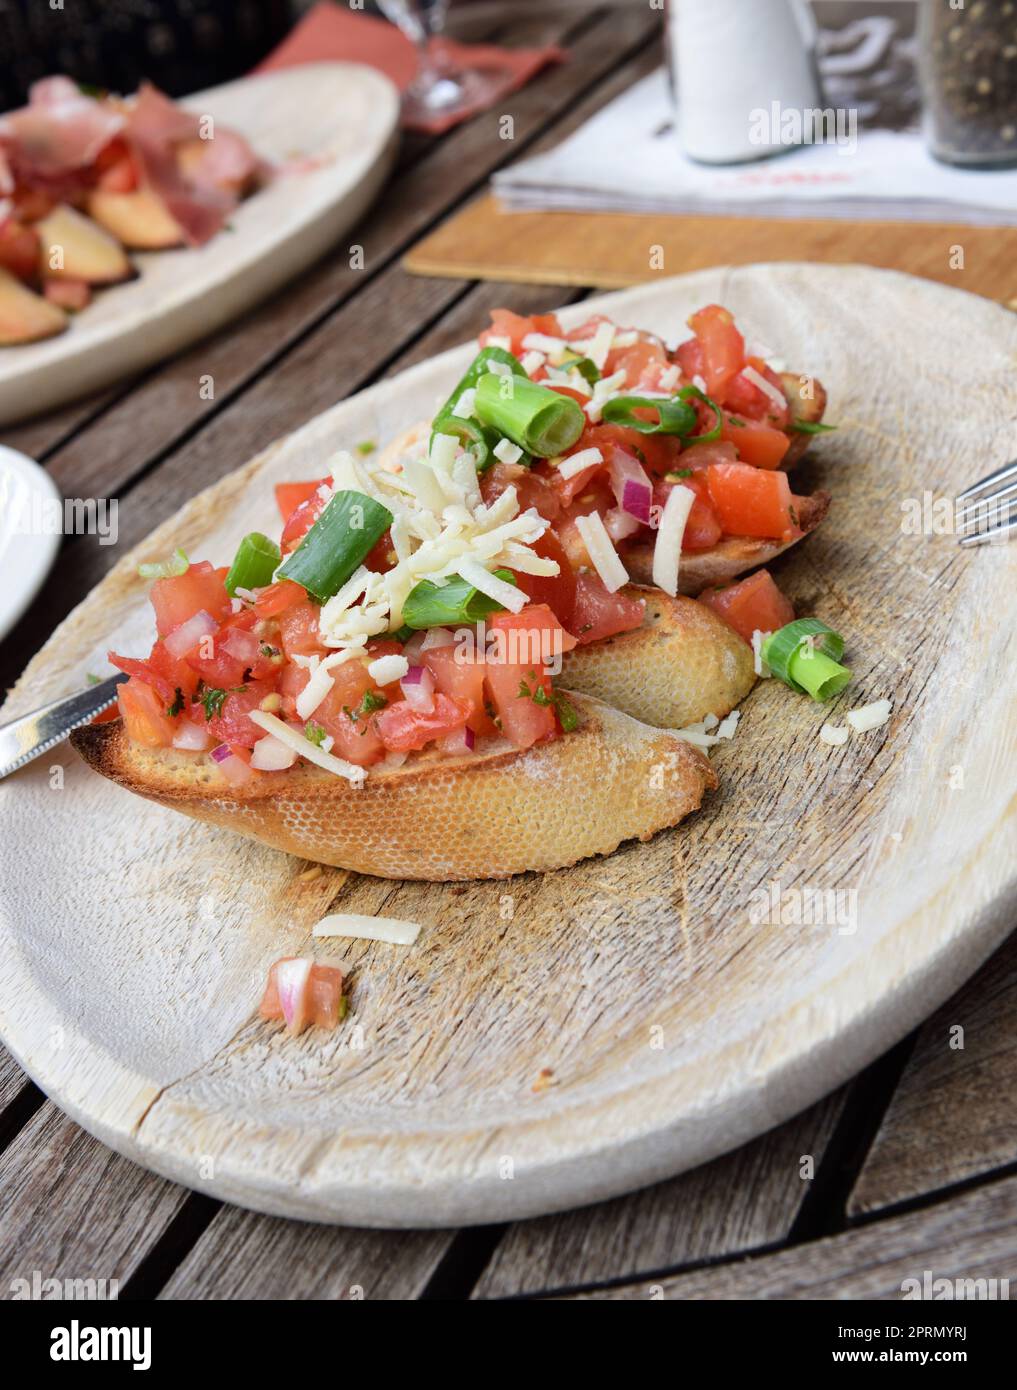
276	598
600	614
533	635
745	399
289	496
658	453
300	521
460	675
597	497
165	673
404	728
751	501
298	630
532	489
342	714
522	720
723	348
643	363
758	444
753	604
180	596
514	327
232	725
224	659
143	711
557	591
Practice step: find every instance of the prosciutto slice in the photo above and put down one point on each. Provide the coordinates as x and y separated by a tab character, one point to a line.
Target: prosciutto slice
59	132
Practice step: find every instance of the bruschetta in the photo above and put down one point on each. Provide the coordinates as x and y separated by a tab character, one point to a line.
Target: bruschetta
442	670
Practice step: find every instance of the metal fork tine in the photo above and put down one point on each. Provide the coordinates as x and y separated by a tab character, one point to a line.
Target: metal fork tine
991	534
1001	475
980	504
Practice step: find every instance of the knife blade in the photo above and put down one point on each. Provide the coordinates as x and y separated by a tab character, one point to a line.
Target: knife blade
36	733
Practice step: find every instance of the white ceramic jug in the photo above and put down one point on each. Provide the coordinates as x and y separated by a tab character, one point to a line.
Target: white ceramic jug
732	60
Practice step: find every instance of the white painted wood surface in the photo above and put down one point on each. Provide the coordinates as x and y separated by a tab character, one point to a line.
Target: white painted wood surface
134	943
331	130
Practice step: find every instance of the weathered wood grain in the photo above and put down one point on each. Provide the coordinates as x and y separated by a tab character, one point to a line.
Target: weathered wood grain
244	1255
72	1209
974	1236
952	1115
746	1199
12	1079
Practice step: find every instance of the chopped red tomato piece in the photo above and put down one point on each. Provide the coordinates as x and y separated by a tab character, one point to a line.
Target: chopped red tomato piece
514	327
531	488
702	529
180	596
557	591
276	598
19	248
143	711
523	721
751	501
347	714
232	725
460	675
722	349
600	614
758	444
753	604
404	728
162	671
298	630
289	496
300	521
744	398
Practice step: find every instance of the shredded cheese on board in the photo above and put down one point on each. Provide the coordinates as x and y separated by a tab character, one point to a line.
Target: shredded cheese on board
393	930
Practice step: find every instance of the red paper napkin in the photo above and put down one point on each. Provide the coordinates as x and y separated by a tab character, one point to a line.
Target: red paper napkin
330	33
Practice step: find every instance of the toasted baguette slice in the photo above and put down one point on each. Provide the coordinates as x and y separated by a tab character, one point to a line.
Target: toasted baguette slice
681	665
488	814
728	558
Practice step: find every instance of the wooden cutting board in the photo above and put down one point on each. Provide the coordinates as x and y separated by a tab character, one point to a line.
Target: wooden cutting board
558	1038
613	250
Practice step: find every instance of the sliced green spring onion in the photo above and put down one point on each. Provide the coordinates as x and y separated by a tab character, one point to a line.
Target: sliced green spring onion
254	564
805	655
481	366
541	421
432	605
342	537
473	436
176	564
810	427
585	366
674	416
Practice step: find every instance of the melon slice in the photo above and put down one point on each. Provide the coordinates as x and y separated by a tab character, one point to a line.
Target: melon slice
139	220
26	317
74	248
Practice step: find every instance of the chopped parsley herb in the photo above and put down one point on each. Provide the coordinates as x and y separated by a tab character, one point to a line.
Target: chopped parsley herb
177	706
739	424
566	714
314	733
93	679
366	446
810	427
793	515
211	700
372	700
677	473
266	650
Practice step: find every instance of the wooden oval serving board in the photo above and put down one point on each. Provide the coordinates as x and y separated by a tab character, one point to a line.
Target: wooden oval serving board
673	1022
330	130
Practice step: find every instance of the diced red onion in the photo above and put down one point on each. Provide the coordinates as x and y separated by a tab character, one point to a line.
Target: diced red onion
632	488
242	644
235	770
418	687
270	754
460	741
620	525
436	637
192	737
187	636
413	648
221	753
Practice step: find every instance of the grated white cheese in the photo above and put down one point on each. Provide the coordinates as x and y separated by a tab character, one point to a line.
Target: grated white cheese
496	340
834	734
463	407
387	669
317	687
602	553
544	342
667	551
575	463
668	379
767	387
758	664
626	338
305	749
392	930
444	448
600	344
726	728
507	451
697	735
603	390
507	595
532	362
868	717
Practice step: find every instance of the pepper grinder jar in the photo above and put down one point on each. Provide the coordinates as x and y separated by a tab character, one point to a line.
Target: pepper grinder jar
968	51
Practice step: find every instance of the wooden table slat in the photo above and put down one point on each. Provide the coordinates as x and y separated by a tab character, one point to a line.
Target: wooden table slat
746	1199
973	1236
952	1115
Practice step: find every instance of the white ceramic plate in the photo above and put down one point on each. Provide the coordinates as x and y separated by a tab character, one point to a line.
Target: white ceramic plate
678	1019
331	129
27	546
